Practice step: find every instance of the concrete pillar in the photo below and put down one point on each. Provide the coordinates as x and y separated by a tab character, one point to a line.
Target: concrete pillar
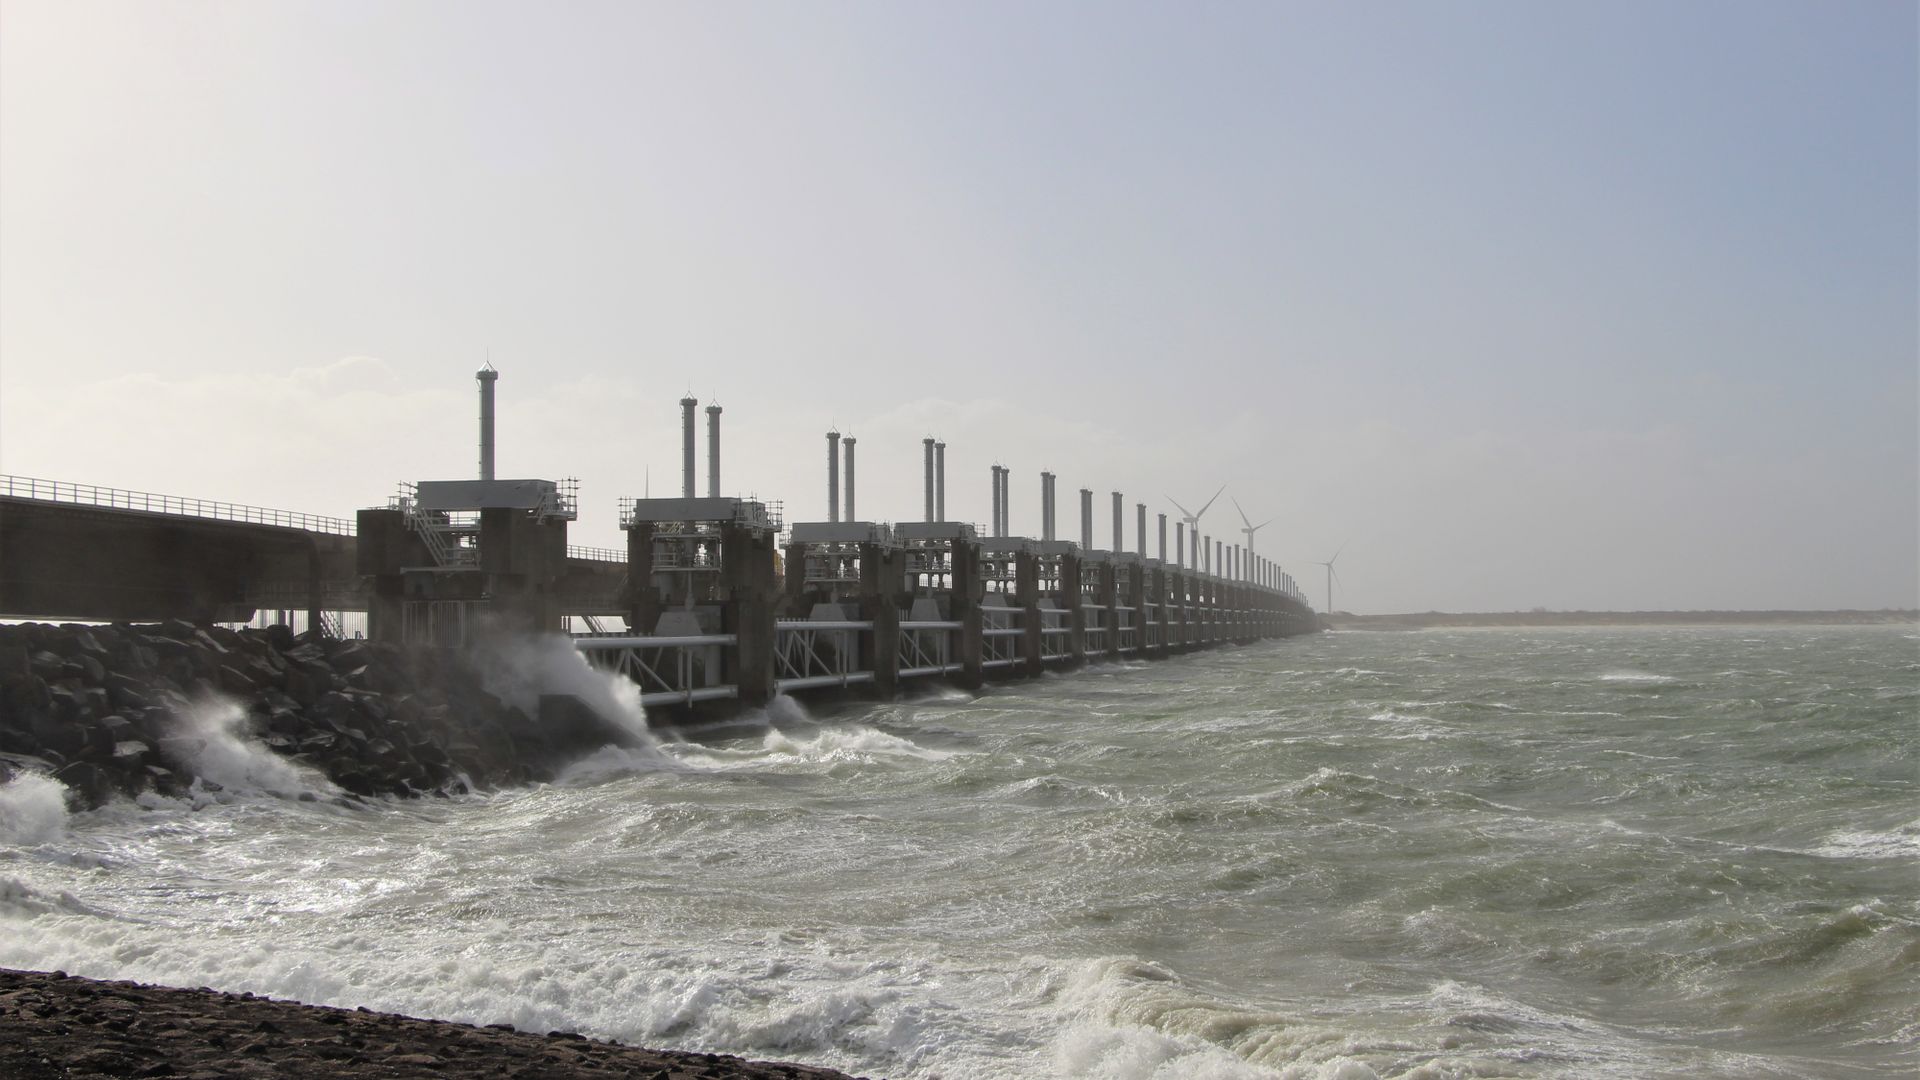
995	529
521	559
1086	519
747	610
687	405
1110	604
315	575
487	377
1180	544
1162	556
1119	532
713	451
833	476
1046	505
1220	594
1179	632
1140	529
967	590
1136	598
1157	594
1203	589
1070	595
642	600
1237	593
926	446
940	481
794	587
848	443
1026	587
1006	504
880	587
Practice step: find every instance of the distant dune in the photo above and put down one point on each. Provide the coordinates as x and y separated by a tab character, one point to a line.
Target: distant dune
1423	620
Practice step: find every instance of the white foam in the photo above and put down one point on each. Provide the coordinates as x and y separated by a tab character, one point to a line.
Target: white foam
610	762
828	745
226	756
943	693
518	669
1898	843
33	809
820	1008
1646	678
784	709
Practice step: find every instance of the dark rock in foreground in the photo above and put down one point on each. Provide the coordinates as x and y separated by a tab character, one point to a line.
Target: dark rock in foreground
57	1026
124	709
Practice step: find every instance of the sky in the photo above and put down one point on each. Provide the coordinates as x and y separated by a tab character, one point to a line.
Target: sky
1603	306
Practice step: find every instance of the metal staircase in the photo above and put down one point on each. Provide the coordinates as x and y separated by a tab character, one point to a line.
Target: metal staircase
450	542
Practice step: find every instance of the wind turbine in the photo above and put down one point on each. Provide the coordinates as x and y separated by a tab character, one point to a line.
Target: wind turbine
1193	521
1331	575
1251	528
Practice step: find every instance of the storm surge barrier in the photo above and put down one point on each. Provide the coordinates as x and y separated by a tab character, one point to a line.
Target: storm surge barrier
721	598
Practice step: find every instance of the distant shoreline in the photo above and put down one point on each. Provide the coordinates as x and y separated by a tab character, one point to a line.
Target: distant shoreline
1436	619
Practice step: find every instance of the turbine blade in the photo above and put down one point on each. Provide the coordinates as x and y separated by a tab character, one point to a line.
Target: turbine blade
1184	512
1243	513
1210	502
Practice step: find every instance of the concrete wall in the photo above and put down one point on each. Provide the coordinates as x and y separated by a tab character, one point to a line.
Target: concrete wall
82	562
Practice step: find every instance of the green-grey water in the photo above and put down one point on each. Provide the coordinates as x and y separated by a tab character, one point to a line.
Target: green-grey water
1566	853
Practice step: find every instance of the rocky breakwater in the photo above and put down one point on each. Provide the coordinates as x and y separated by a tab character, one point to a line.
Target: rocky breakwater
56	1027
176	709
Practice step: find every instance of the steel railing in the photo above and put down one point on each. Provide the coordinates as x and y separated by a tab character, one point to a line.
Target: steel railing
27	487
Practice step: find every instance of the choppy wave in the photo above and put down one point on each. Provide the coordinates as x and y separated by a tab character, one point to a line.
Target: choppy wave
1242	864
33	810
853	745
1899	843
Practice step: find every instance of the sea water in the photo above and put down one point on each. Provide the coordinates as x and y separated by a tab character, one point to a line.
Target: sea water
1564	853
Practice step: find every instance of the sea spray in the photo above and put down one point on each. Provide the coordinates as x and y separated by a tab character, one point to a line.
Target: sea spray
33	810
519	669
216	747
785	710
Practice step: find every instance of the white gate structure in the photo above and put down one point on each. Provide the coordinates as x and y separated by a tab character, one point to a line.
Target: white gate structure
670	670
811	653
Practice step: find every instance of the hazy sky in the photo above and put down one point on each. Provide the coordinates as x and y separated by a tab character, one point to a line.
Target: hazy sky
1605	306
